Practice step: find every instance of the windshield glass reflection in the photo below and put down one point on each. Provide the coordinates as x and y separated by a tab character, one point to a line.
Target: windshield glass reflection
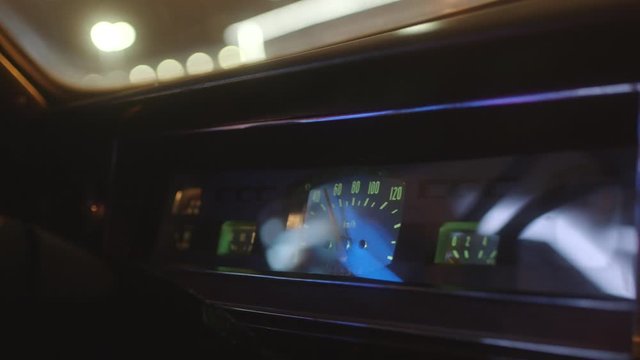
110	44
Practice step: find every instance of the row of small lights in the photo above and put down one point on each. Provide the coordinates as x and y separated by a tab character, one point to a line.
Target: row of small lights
115	37
245	40
170	69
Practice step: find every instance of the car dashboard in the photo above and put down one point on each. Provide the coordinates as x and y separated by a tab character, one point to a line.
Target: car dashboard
467	192
493	235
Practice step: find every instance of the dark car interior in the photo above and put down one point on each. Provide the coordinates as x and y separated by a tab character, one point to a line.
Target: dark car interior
454	184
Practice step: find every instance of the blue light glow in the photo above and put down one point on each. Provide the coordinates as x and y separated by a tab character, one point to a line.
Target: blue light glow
370	262
592	91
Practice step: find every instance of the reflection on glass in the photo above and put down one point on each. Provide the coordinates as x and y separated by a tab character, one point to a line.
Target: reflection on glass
295	220
230	57
417	29
142	74
503	212
249	35
300	15
350	228
187	202
116	77
183	238
199	63
250	41
566	206
93	80
169	69
591	240
74	38
114	37
556	223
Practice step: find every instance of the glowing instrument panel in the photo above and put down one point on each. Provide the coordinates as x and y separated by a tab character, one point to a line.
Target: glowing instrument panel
354	224
474	224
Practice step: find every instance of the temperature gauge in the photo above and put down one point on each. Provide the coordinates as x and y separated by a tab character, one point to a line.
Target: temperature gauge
460	244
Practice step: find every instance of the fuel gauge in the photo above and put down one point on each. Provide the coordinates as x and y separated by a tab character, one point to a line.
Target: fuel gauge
460	244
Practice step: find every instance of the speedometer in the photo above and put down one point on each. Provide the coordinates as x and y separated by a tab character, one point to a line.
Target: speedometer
362	217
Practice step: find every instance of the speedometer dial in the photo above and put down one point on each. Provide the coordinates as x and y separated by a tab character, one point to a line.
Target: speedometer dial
361	218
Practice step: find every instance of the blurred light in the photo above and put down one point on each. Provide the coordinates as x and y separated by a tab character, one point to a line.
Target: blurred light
294	220
142	74
97	210
417	29
283	248
110	37
603	255
230	56
115	78
169	69
501	213
176	202
289	248
299	15
251	42
187	201
93	80
465	197
199	63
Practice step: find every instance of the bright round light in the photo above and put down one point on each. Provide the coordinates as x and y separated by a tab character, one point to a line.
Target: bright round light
169	69
110	37
230	56
142	74
199	63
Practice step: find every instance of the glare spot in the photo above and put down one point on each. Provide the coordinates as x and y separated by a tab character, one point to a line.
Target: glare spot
251	42
92	80
594	251
501	213
302	14
169	69
142	74
199	63
417	29
270	231
230	56
110	37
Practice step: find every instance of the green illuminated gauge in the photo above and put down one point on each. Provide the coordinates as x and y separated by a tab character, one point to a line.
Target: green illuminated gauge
355	224
236	238
459	243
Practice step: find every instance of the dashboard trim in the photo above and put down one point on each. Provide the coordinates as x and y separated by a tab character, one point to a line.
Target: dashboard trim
616	305
530	98
430	331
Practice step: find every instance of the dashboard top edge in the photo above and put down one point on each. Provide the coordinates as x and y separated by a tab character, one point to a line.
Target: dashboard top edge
615	305
518	99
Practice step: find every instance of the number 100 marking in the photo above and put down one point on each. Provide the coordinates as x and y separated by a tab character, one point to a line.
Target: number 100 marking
374	187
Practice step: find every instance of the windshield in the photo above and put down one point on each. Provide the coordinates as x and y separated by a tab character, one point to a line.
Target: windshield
93	44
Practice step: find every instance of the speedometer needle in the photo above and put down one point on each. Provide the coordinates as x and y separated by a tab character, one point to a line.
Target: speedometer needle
332	217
